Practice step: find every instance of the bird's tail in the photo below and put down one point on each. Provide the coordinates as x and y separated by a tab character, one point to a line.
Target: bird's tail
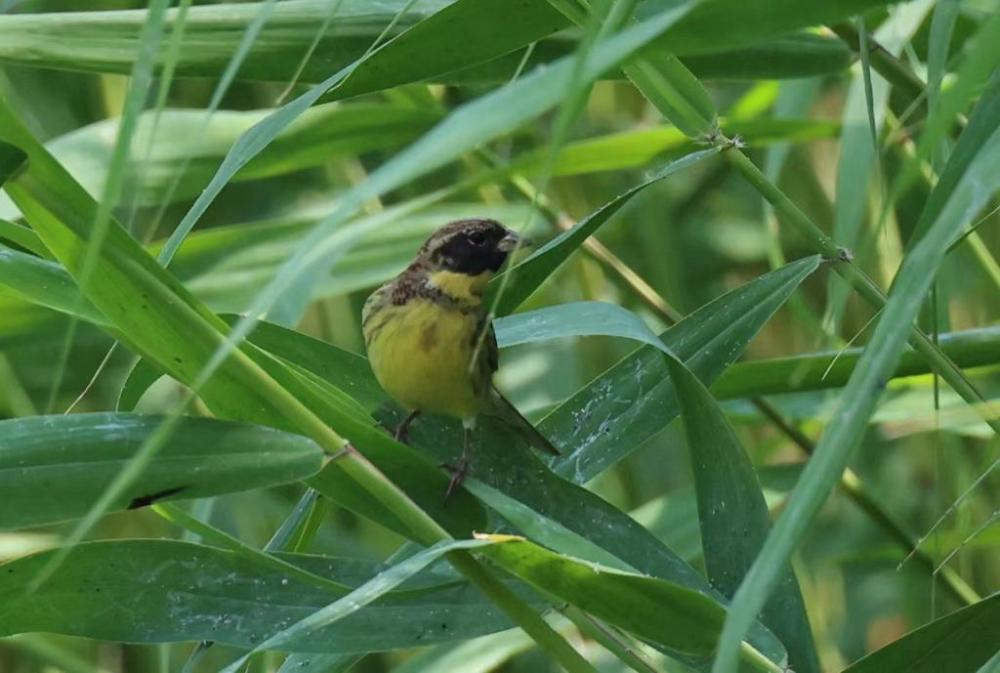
501	407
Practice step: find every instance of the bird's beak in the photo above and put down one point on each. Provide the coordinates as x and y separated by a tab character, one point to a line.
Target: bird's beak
511	241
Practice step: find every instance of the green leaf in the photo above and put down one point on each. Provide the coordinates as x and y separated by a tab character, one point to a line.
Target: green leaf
24	237
159	591
733	515
82	40
625	406
582	318
76	456
867	382
958	643
653	609
45	283
525	278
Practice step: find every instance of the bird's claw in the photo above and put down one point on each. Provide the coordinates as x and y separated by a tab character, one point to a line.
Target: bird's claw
459	471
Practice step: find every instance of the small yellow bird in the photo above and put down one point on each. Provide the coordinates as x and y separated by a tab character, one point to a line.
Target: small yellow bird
429	338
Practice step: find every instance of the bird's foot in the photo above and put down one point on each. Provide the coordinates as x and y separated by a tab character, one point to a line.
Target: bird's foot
402	433
459	471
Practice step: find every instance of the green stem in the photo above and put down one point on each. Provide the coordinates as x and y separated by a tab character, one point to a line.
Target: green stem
831	369
612	642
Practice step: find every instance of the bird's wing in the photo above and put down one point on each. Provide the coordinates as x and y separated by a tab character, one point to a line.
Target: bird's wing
498	405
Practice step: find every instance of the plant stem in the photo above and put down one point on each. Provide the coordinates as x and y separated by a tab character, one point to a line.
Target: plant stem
611	641
831	369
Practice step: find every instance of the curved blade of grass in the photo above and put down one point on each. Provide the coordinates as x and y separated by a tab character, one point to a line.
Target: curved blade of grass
960	642
160	591
24	237
653	609
733	515
45	283
53	468
529	274
843	433
368	592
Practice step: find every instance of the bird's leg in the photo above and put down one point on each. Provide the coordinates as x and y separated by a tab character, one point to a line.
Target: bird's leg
461	468
402	433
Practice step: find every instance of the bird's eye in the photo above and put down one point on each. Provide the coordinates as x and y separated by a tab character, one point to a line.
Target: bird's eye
476	238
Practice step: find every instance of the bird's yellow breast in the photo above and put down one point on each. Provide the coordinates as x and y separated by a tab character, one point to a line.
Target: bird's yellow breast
421	353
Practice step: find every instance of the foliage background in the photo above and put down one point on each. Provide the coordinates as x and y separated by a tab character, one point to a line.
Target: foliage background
924	460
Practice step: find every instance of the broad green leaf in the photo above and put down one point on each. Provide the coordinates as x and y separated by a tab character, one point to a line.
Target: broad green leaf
633	400
583	318
45	283
867	382
53	468
653	609
525	278
364	595
158	591
733	515
958	643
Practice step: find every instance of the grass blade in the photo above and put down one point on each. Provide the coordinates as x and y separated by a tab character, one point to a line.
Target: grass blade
734	516
76	456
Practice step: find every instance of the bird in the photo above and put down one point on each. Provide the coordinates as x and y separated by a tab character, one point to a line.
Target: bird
430	338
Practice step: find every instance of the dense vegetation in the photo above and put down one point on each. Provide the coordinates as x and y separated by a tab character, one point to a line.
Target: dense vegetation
760	321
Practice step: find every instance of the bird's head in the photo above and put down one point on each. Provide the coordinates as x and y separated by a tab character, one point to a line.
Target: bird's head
462	256
469	246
